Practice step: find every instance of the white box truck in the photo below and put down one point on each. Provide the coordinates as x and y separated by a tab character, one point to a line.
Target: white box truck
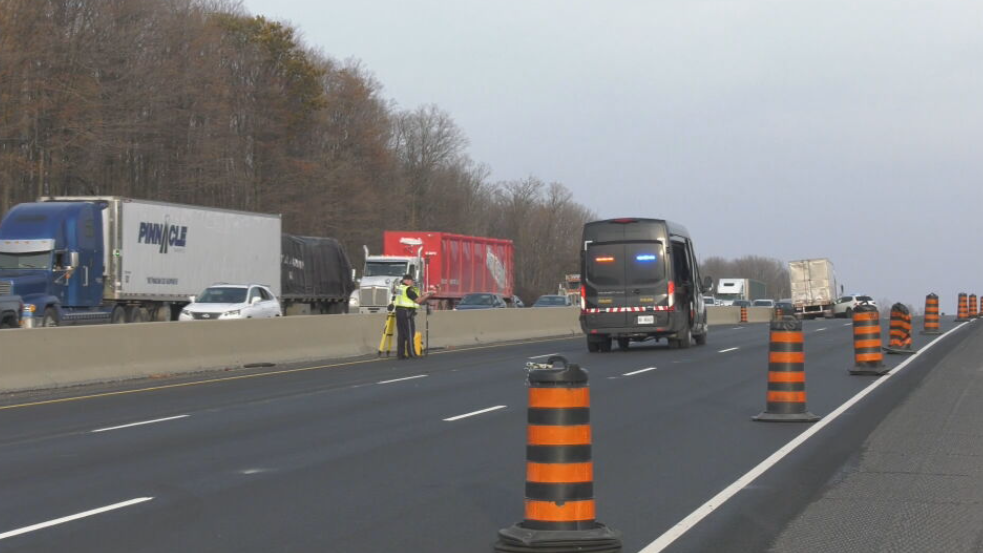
813	284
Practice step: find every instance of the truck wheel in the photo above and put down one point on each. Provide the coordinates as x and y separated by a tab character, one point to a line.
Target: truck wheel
50	317
623	343
118	316
136	314
7	323
163	313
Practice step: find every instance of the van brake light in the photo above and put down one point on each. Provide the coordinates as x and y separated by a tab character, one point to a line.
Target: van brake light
604	259
672	287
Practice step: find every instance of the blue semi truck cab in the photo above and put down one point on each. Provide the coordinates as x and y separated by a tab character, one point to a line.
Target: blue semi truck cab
52	256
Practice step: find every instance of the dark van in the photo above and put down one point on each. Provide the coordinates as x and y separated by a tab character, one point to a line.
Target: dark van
640	281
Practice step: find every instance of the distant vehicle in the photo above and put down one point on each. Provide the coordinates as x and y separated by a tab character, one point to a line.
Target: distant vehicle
11	308
740	303
786	307
570	287
845	305
551	300
640	281
233	301
709	300
730	289
451	265
481	301
813	287
515	301
763	303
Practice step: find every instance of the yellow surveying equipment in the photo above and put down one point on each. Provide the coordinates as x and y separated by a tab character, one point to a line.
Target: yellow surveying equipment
386	344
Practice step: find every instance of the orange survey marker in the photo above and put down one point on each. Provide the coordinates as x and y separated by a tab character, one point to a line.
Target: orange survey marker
900	341
868	358
560	512
963	312
786	399
932	315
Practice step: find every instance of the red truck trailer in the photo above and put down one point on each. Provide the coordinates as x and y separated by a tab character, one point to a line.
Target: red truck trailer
453	264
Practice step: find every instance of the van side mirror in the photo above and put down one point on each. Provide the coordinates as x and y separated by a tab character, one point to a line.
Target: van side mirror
707	284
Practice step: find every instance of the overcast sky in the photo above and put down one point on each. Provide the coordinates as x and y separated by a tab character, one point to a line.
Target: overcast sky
847	129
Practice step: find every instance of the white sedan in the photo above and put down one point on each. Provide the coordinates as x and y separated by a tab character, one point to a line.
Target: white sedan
844	306
232	301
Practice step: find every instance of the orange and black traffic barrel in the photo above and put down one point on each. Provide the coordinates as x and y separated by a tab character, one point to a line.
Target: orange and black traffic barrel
932	315
972	312
900	340
743	314
868	358
786	397
962	313
559	514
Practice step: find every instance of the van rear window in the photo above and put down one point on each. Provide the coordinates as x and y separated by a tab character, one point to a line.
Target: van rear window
630	264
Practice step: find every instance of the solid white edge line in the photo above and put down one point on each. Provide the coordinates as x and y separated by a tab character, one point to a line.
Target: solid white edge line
139	423
728	349
716	501
70	518
640	372
541	356
738	328
402	379
821	329
459	417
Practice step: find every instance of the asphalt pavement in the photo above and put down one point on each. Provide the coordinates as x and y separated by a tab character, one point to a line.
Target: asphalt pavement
429	455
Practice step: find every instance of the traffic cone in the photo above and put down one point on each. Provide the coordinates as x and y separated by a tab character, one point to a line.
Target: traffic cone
559	513
931	315
868	359
900	340
786	399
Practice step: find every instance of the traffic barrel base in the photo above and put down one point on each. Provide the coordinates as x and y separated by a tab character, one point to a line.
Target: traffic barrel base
517	539
786	397
559	499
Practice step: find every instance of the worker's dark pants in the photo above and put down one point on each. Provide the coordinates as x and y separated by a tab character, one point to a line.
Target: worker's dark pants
405	331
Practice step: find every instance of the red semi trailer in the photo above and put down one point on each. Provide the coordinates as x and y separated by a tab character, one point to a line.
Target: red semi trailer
453	264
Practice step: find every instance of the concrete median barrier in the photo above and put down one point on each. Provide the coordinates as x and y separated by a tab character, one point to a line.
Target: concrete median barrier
57	357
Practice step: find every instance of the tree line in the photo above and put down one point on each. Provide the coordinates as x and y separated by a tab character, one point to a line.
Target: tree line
199	102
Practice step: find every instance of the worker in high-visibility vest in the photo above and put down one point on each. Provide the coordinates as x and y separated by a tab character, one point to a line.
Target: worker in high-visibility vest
406	299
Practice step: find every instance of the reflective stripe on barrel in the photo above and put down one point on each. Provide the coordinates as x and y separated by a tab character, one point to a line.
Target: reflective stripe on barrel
559	467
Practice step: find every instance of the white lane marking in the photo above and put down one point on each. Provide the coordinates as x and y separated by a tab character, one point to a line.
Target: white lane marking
640	372
821	329
848	324
495	408
155	421
541	356
728	349
738	328
716	501
70	518
402	379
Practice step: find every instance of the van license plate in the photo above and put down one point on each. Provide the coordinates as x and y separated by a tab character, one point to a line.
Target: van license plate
646	319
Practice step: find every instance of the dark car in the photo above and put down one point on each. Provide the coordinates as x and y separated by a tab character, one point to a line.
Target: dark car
552	300
786	307
481	300
741	303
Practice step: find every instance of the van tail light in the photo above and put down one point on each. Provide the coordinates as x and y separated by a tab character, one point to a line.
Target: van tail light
672	294
583	297
672	287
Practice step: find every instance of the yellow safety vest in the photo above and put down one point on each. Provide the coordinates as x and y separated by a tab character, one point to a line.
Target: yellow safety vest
403	300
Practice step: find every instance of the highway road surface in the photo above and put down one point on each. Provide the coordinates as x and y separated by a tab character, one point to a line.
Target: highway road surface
429	455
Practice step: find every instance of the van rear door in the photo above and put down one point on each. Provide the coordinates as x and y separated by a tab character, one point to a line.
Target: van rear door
624	275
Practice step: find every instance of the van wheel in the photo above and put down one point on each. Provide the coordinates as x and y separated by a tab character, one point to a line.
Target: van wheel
623	343
686	339
605	345
701	339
